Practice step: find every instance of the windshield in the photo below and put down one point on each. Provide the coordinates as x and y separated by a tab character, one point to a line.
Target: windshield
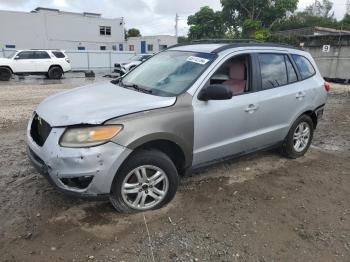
169	73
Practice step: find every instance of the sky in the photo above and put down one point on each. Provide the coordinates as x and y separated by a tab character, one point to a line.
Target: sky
152	17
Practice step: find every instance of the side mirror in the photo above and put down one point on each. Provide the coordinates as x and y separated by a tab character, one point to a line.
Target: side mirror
215	92
16	57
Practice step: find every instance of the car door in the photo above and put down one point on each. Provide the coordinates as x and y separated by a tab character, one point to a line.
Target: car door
42	61
222	128
279	99
24	62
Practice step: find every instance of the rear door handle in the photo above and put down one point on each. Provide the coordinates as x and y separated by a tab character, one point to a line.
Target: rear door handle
252	108
300	94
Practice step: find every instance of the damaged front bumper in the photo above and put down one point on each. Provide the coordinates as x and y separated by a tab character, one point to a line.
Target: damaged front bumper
83	172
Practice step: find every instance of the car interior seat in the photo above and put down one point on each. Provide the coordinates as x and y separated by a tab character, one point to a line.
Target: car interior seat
237	81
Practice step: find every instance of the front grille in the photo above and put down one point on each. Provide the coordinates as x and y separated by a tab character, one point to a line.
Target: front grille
39	130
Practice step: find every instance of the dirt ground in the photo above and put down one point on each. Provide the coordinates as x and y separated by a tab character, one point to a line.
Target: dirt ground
257	208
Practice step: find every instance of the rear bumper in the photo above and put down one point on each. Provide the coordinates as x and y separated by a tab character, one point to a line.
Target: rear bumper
58	164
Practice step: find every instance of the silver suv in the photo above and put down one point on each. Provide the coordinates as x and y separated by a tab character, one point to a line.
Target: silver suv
185	108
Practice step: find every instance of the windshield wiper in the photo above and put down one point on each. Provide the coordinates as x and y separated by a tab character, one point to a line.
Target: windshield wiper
137	88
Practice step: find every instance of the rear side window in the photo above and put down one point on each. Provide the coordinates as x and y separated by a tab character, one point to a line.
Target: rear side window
41	55
292	75
305	67
273	70
58	54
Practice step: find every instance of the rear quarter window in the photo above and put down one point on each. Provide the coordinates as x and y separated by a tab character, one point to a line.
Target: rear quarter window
58	54
305	67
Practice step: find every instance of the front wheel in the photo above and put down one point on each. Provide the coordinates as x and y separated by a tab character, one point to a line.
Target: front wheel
299	138
5	74
148	180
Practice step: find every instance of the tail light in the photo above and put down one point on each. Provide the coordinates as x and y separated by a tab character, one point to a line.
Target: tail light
327	86
68	61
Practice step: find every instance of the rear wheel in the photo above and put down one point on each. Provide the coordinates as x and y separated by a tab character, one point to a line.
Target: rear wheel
299	138
148	180
55	72
5	74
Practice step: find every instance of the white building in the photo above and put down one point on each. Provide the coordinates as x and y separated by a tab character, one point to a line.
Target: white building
150	44
47	28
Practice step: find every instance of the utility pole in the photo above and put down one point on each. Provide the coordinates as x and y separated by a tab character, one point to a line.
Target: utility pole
176	25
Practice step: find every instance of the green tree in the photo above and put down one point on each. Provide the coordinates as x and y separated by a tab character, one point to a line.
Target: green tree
206	24
133	32
238	13
345	22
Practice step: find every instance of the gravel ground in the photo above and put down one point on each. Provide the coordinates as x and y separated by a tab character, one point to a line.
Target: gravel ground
260	207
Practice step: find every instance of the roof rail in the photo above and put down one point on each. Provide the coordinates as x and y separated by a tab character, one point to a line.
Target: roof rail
48	49
231	43
261	44
226	40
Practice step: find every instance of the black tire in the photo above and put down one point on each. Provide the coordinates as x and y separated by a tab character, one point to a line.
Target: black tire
287	149
55	72
137	159
5	74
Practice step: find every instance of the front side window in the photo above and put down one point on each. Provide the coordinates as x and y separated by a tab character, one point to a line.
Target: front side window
234	74
273	70
168	73
305	67
26	55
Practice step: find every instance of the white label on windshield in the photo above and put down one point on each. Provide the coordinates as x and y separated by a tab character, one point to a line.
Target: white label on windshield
197	60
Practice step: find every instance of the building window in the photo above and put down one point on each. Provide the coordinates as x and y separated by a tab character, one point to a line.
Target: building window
150	48
102	47
131	48
105	30
114	47
162	47
121	47
10	46
81	48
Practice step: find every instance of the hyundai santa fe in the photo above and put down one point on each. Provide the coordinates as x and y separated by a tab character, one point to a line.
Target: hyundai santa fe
186	107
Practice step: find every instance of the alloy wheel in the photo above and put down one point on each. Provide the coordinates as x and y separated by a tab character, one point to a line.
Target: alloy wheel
144	187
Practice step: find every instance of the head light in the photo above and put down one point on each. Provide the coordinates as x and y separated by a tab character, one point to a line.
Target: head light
88	136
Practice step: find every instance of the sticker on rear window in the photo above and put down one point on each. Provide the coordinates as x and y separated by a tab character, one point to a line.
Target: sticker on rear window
197	60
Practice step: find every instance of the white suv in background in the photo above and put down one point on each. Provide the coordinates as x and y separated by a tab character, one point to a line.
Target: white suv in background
52	63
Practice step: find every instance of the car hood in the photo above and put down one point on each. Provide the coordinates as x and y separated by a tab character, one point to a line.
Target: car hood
4	60
97	103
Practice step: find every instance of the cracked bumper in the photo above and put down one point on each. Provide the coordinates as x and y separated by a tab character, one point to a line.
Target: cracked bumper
56	162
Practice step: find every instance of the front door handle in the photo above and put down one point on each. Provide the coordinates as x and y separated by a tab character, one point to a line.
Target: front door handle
252	108
300	94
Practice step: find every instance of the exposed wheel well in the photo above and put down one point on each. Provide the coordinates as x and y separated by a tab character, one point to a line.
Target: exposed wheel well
56	66
7	67
170	148
313	116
